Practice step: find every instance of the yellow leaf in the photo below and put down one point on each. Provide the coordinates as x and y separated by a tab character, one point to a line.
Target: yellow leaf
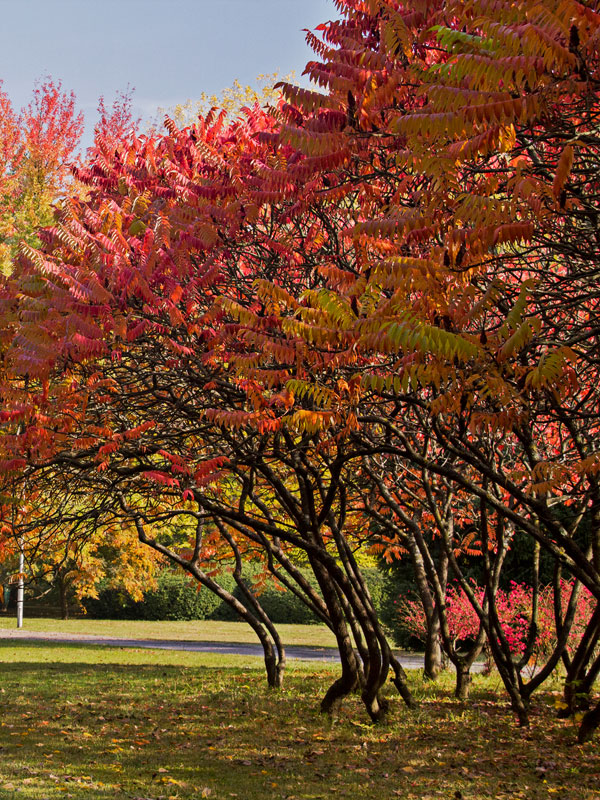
137	226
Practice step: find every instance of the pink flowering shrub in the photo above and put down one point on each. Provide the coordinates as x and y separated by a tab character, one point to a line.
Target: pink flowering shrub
514	612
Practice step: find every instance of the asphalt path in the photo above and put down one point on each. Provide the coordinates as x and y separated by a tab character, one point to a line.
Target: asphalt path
293	652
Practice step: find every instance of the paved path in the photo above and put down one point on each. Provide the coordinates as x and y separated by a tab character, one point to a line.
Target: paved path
408	660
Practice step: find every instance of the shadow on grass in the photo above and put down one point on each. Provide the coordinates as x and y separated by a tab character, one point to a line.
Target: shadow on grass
147	730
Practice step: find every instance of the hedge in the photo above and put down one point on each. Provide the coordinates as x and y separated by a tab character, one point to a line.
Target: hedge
177	597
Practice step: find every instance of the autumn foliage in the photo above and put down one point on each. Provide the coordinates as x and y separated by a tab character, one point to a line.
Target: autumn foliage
515	612
365	317
37	146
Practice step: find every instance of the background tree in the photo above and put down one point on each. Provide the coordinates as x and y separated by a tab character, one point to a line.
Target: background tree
231	100
38	146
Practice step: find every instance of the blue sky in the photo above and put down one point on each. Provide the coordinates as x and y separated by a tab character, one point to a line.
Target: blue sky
169	50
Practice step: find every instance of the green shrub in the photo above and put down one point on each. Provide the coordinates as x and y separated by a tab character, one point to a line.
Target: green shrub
110	604
280	606
177	597
284	606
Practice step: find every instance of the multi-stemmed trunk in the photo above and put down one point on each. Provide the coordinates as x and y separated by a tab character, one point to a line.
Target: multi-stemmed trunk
352	674
273	650
353	617
582	670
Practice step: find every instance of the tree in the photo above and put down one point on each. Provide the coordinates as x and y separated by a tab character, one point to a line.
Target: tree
231	100
38	146
470	275
117	122
137	378
77	563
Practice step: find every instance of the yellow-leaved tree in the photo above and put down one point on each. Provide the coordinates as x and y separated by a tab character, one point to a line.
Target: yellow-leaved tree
231	100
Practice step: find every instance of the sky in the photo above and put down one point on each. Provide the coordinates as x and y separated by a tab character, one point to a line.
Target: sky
167	50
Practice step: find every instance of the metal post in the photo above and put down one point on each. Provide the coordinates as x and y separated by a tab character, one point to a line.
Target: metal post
20	589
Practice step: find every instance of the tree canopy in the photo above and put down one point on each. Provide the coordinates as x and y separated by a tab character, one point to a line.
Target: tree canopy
366	317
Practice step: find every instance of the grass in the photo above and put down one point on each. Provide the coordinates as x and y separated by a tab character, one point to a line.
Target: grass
193	630
99	722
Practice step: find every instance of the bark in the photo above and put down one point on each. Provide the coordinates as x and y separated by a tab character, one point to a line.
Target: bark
274	655
375	662
409	533
589	724
339	689
378	656
400	682
463	680
296	583
359	643
433	649
563	629
63	589
434	662
350	677
463	663
577	683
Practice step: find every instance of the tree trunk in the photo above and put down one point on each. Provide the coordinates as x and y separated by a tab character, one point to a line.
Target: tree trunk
589	723
358	606
380	656
274	653
275	658
576	686
64	601
434	662
400	682
350	677
511	679
374	679
274	675
463	680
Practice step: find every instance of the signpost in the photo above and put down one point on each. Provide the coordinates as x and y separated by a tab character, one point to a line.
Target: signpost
20	588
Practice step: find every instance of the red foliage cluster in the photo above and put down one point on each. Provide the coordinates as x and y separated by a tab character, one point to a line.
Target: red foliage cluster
515	607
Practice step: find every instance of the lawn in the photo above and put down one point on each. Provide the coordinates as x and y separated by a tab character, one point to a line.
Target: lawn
99	722
193	630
